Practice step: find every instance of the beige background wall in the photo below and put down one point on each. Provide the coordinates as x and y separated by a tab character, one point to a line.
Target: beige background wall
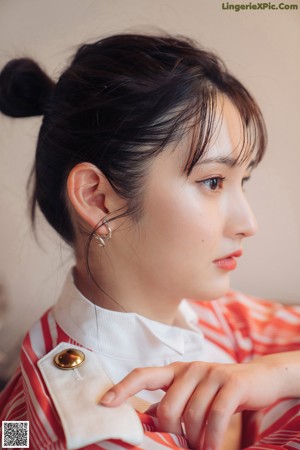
260	47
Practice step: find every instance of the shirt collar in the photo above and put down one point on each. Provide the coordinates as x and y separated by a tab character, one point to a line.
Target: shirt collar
124	335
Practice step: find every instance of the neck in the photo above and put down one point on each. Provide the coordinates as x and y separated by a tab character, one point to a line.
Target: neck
126	295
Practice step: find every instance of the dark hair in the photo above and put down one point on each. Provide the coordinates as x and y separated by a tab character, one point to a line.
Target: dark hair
117	105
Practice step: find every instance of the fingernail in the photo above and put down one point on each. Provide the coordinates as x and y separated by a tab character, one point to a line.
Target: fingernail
108	397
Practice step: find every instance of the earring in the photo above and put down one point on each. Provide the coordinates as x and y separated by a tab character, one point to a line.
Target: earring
102	239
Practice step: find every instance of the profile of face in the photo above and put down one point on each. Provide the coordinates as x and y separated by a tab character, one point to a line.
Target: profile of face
189	225
154	149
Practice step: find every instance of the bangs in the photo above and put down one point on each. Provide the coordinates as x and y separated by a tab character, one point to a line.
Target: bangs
207	122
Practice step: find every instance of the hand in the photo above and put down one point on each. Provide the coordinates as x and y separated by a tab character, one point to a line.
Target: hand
203	396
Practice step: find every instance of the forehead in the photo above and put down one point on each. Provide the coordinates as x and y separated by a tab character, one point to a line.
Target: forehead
224	146
228	136
227	139
229	142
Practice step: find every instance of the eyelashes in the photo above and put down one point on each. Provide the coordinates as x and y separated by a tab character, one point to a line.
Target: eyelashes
217	183
213	183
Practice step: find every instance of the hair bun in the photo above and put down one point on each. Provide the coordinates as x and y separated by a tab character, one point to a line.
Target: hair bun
24	88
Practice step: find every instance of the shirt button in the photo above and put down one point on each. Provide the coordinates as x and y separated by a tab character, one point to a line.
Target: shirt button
69	359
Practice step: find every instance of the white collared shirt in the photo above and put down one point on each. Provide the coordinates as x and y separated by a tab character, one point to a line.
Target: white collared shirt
64	404
125	341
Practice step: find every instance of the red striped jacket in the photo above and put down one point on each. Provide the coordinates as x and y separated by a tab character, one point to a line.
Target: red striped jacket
242	326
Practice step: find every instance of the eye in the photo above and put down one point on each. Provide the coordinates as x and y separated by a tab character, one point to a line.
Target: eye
214	183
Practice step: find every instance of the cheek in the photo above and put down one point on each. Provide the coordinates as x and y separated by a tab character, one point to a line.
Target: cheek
182	222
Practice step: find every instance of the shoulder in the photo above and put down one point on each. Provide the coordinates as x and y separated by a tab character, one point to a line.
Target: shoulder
62	405
239	308
223	312
26	397
235	322
254	325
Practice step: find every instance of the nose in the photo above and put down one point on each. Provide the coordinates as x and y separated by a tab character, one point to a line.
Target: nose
241	220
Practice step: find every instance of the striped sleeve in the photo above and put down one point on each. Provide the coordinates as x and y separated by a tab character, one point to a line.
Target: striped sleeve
246	327
260	326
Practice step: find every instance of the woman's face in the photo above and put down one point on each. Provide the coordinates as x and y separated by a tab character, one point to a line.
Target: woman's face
191	224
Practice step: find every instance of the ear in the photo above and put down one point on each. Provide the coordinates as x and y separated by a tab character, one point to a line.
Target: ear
90	193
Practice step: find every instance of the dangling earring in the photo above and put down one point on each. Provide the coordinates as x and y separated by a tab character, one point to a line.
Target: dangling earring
102	239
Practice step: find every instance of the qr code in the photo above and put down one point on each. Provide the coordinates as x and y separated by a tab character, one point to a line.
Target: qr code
15	434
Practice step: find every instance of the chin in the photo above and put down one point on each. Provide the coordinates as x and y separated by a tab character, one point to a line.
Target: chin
215	290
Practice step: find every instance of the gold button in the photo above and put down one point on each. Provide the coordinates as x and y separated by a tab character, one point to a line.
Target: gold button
69	358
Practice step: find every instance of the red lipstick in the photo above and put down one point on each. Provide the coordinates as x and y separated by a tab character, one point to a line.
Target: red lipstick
228	262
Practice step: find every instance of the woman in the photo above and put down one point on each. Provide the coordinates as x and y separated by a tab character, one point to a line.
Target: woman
142	156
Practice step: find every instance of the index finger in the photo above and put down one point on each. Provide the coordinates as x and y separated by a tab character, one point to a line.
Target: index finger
150	378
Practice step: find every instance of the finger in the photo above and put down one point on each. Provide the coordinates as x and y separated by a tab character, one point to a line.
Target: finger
170	410
195	413
139	379
222	408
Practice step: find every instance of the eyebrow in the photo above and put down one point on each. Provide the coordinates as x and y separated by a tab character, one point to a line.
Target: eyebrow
231	162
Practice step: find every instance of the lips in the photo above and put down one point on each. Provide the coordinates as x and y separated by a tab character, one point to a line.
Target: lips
228	262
